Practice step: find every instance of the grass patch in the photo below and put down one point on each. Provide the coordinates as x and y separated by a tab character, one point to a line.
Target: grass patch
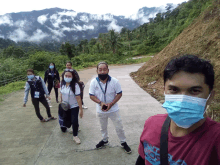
12	87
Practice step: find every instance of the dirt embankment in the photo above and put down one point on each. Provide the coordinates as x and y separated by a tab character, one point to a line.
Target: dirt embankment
201	38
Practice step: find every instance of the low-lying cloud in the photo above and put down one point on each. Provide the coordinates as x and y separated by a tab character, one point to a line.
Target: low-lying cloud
18	35
38	36
42	19
113	25
6	19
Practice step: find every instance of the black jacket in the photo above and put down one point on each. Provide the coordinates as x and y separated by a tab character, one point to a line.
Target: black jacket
48	76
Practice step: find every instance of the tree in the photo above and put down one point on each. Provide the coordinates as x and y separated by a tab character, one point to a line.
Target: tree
113	38
66	49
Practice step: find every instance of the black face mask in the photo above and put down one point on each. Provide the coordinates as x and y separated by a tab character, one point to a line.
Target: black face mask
103	76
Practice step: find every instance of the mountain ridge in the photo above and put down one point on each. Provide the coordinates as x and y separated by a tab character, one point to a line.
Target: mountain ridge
64	24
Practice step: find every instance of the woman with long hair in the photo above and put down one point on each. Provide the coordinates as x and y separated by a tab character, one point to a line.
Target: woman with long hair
70	94
53	79
81	84
37	89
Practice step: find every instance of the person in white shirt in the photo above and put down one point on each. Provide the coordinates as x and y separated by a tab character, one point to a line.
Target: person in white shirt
106	91
70	93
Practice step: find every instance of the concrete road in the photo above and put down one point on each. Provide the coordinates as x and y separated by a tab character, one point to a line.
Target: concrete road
25	140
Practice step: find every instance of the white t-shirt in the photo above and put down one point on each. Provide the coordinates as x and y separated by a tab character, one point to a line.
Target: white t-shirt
113	88
69	96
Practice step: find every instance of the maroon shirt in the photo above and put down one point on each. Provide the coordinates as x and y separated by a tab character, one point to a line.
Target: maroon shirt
200	147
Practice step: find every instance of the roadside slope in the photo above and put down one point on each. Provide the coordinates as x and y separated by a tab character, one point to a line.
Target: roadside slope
202	38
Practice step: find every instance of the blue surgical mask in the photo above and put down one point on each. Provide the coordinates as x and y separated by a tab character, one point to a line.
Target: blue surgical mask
185	110
30	76
51	67
67	79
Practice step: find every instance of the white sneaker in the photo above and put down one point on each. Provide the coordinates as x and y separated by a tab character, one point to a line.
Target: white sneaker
84	107
76	139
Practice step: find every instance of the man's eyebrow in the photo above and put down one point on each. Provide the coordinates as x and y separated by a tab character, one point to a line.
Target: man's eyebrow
197	87
173	86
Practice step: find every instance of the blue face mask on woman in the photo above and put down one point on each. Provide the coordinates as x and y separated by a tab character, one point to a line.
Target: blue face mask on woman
185	110
30	76
51	66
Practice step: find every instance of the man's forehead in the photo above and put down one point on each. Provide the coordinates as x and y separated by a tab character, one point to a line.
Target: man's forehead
102	66
186	79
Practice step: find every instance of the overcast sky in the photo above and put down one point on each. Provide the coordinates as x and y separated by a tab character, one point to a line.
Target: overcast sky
116	7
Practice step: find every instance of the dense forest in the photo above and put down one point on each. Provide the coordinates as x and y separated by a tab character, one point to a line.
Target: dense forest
112	47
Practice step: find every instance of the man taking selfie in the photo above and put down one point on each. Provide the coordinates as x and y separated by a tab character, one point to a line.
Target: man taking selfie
185	135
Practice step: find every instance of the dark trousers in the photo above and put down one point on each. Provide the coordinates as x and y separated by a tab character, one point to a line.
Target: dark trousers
43	100
50	86
70	117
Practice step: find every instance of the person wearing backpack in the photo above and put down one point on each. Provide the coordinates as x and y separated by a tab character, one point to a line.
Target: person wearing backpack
53	79
81	84
71	104
37	89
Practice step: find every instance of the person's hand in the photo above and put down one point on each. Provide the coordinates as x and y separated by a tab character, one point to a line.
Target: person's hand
102	106
24	105
109	105
81	113
48	97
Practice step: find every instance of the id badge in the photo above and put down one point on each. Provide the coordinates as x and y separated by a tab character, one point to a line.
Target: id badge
36	94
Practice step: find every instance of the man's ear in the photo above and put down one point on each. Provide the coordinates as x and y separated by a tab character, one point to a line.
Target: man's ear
212	95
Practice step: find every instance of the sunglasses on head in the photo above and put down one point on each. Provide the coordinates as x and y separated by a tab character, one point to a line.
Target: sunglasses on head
69	70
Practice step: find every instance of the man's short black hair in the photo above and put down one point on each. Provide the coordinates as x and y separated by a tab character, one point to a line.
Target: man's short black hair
69	62
102	62
190	64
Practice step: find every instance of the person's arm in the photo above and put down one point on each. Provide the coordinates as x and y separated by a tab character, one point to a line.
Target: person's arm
92	93
45	88
58	76
79	100
45	77
26	92
140	161
117	97
118	92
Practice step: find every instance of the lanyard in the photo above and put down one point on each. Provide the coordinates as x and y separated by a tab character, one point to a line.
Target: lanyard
35	82
102	89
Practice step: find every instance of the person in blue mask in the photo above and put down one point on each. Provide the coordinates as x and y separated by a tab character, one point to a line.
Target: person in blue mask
70	95
191	137
38	89
53	79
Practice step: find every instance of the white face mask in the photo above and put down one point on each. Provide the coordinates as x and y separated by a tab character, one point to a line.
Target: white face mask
66	79
185	110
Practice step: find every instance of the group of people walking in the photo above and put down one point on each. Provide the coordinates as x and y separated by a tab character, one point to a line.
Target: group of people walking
104	90
183	136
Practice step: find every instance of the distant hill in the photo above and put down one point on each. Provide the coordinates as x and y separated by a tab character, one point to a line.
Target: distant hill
56	24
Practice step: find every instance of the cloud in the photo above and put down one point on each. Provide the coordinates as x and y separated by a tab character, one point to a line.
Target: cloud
58	33
6	19
18	35
108	17
38	36
84	18
68	13
84	27
113	25
42	19
1	36
20	23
